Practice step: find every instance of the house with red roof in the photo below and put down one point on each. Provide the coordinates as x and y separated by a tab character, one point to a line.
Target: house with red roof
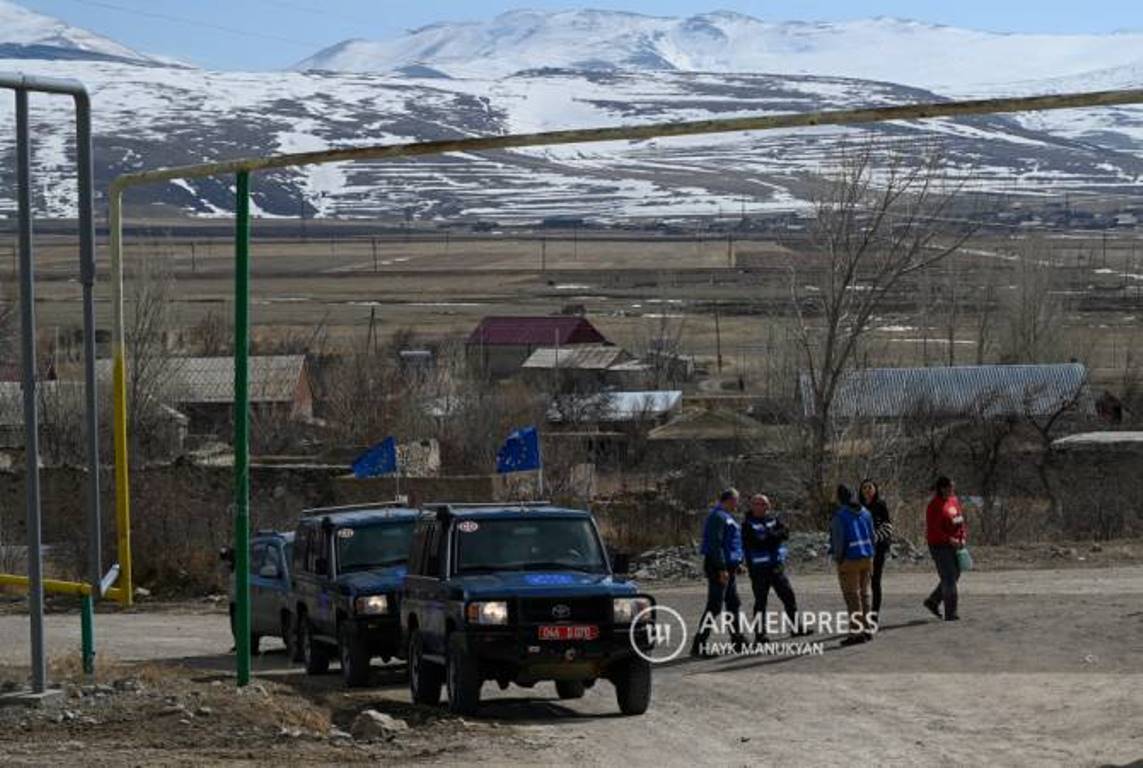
500	344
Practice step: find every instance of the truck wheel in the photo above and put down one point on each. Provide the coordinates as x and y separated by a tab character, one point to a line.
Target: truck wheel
463	678
570	689
425	678
355	657
314	655
290	638
633	686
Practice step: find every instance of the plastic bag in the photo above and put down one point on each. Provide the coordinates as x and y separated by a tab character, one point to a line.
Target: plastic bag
964	559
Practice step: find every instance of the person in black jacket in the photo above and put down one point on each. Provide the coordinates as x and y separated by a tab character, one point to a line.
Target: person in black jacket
764	538
882	535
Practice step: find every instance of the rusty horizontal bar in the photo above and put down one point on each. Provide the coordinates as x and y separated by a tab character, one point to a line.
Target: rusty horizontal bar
627	133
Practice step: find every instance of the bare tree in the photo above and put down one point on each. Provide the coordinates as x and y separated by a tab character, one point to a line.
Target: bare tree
873	231
1032	319
149	361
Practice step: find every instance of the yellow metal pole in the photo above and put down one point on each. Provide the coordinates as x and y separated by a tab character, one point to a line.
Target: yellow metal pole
119	395
50	585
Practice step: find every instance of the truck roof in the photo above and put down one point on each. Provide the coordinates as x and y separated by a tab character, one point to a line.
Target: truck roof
362	515
507	511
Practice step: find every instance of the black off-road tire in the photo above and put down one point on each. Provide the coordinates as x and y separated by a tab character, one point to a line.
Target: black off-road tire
290	638
315	656
570	689
633	686
354	655
462	678
425	678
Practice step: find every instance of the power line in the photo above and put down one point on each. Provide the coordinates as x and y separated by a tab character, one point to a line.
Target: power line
323	12
197	23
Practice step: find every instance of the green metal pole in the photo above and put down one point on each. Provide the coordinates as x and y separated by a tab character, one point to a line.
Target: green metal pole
242	429
87	633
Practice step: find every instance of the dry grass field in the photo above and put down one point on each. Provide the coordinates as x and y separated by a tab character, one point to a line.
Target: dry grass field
631	286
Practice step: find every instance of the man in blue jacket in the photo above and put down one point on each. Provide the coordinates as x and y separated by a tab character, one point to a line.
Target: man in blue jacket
851	544
722	558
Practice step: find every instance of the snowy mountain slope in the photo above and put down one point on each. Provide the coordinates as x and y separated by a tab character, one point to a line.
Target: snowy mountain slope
25	34
148	117
939	58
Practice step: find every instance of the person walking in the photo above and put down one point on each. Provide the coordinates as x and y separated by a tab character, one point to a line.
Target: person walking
764	544
946	533
851	544
722	558
882	536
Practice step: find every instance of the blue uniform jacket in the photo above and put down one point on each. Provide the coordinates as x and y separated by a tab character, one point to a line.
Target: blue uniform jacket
721	539
764	541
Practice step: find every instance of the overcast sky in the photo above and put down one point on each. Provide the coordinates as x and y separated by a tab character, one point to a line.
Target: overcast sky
270	34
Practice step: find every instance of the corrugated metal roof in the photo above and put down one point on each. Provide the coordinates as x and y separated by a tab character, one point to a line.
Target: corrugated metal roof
952	391
615	406
273	378
582	357
535	331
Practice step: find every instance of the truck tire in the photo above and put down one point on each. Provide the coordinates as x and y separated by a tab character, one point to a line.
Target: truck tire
354	655
633	686
425	678
570	689
314	654
290	638
463	678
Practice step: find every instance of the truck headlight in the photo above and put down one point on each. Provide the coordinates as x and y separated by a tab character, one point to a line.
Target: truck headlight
625	609
371	605
490	612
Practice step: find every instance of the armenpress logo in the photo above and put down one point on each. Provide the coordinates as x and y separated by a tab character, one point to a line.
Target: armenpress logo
664	639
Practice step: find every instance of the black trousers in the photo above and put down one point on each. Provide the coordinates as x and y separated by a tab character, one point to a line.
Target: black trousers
879	556
948	568
762	580
719	597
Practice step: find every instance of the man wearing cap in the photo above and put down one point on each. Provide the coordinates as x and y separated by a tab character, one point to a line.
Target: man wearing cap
722	557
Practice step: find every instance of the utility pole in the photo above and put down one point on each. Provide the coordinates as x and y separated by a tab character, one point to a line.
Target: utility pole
194	265
717	339
374	241
543	255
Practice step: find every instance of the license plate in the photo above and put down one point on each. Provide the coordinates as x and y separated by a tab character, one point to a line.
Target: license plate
568	632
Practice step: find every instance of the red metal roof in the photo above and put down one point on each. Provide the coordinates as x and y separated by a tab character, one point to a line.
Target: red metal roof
535	331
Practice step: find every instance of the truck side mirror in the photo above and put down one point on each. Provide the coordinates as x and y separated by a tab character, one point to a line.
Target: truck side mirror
621	563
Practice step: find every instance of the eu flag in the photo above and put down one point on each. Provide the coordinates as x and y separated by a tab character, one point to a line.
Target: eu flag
381	459
520	452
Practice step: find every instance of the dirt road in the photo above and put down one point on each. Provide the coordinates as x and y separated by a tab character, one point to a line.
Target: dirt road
1045	667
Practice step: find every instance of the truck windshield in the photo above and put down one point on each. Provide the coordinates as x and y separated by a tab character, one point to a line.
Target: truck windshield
528	545
373	546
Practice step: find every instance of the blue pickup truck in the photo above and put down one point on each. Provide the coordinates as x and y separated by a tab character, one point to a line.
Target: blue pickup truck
349	564
519	594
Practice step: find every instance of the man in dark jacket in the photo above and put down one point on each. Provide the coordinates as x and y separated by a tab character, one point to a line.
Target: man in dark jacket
764	543
882	535
722	557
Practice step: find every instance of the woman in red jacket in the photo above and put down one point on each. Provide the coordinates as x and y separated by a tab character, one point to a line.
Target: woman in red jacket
946	533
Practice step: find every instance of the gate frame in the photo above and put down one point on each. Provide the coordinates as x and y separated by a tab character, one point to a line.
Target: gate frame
99	584
244	167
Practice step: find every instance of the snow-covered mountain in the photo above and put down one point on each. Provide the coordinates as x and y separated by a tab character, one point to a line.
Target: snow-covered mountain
940	58
25	34
149	115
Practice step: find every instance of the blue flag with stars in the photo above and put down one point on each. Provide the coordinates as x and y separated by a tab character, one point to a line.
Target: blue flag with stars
379	460
520	452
